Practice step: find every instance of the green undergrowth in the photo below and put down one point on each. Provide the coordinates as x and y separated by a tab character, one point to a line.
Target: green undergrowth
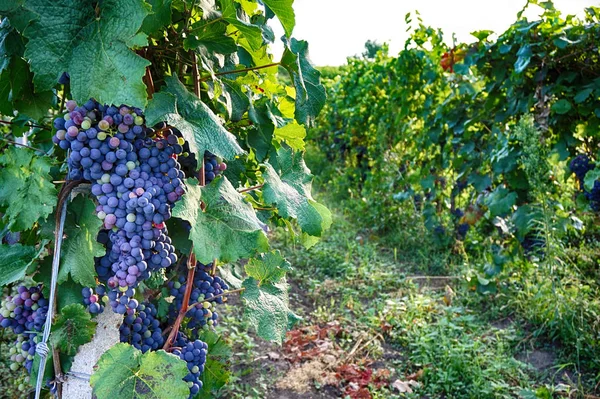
417	298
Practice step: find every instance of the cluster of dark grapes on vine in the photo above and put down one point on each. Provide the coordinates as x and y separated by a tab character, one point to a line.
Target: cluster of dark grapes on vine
194	354
580	166
206	291
136	180
461	228
137	175
24	314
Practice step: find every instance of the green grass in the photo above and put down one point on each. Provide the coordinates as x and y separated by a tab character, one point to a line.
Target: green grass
374	286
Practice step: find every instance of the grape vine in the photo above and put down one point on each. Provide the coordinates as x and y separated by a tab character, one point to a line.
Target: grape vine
169	128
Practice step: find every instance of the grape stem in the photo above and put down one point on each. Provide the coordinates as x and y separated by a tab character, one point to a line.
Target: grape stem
19	144
245	190
196	74
186	299
215	297
27	125
241	70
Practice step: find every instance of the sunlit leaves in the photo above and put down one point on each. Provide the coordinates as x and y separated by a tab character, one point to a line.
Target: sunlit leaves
68	36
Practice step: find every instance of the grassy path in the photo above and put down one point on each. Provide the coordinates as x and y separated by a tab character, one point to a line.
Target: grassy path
374	325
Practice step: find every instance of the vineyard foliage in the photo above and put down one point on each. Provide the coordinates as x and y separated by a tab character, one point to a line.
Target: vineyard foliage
476	140
201	74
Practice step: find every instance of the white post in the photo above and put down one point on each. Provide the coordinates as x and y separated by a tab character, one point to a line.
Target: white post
77	385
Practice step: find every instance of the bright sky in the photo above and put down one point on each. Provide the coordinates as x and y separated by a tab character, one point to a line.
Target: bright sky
336	29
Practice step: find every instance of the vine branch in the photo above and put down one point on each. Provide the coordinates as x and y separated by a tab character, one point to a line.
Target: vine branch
30	125
215	297
21	145
257	187
241	70
191	264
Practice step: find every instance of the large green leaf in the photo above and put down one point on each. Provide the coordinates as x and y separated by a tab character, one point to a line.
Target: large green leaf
26	188
289	189
285	12
159	18
80	245
124	372
252	33
72	328
68	36
228	229
14	261
266	308
212	36
310	93
198	124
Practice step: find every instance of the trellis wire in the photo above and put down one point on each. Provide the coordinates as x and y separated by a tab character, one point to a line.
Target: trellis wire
42	347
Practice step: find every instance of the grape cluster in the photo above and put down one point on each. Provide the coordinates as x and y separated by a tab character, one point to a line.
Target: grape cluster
580	165
194	354
461	231
23	351
136	181
95	299
212	167
142	329
205	287
24	313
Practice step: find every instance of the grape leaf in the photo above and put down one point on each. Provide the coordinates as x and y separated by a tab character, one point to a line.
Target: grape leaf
561	107
214	377
10	43
217	347
26	188
268	268
159	18
212	36
500	201
252	33
13	9
14	261
239	100
227	216
215	373
266	308
289	190
261	136
310	93
124	372
285	12
293	134
80	245
72	328
198	124
92	49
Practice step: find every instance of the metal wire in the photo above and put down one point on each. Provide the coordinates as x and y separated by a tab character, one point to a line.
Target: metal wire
42	347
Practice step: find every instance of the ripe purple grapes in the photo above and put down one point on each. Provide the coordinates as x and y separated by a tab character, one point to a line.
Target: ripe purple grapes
136	180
